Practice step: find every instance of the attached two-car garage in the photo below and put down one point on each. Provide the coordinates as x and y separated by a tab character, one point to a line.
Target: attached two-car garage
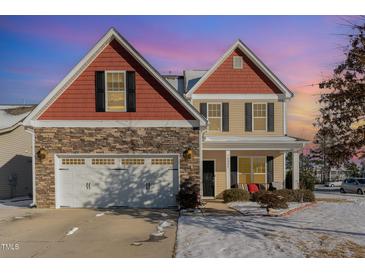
116	180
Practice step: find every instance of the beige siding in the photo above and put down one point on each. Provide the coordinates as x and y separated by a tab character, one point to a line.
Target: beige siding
16	159
279	175
237	118
220	175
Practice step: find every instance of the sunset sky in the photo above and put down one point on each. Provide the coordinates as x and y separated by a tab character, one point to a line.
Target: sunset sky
37	52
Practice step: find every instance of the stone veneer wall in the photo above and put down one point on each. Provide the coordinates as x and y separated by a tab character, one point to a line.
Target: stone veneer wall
110	140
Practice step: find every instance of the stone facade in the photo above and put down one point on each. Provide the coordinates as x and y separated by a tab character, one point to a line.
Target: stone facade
110	140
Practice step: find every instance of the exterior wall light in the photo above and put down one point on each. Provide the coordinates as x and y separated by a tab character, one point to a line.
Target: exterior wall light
188	154
41	154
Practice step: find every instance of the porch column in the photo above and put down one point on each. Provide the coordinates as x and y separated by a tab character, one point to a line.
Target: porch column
295	173
228	168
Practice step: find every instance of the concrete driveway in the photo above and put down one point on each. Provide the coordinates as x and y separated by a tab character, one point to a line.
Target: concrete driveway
85	233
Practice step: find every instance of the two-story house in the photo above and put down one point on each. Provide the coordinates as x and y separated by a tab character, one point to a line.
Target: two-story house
114	132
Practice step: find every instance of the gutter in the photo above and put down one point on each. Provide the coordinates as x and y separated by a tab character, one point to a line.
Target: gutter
8	129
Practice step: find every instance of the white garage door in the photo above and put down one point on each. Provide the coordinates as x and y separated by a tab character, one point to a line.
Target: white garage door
105	181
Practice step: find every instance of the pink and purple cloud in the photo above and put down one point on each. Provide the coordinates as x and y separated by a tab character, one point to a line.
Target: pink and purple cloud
36	52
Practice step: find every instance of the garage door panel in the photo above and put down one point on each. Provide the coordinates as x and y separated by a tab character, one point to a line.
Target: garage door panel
133	182
67	192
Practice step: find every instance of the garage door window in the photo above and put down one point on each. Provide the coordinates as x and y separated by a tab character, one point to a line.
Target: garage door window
73	161
103	161
162	161
133	161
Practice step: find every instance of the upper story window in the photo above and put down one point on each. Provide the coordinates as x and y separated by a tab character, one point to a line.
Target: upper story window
115	91
237	62
214	117
259	116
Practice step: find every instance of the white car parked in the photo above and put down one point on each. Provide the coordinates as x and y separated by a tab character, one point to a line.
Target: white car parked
333	184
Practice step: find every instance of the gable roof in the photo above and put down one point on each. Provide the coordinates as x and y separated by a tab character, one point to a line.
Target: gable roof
12	115
89	57
241	46
192	77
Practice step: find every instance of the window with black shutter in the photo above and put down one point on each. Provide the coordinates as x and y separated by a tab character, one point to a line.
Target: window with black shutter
248	116
115	91
225	116
203	109
131	91
100	91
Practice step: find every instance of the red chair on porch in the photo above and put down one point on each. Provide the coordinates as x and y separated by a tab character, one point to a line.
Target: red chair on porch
252	188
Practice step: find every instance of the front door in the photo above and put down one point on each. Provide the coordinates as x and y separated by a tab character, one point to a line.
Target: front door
208	179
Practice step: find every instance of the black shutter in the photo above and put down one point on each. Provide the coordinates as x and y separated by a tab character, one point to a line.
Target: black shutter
100	91
270	169
225	116
270	116
234	183
203	109
131	91
248	116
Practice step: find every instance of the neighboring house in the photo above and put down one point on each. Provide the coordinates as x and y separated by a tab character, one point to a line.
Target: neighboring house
114	132
15	152
335	174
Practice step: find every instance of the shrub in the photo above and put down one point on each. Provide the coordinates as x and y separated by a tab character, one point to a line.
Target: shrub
235	194
308	196
307	180
287	193
255	197
188	195
295	195
306	177
272	200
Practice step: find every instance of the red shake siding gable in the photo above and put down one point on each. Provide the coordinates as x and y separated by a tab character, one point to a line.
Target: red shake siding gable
153	101
225	79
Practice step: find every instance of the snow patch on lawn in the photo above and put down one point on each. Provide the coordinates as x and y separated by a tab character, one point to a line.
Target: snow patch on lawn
254	208
327	230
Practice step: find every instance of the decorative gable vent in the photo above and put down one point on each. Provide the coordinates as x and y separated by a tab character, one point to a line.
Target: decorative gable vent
237	62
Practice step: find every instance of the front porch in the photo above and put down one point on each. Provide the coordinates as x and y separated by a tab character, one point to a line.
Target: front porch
231	162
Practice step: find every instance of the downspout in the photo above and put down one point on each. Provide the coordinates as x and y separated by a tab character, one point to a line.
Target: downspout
31	132
201	140
285	116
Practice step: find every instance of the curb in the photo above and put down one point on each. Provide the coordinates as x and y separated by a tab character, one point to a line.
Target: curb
294	210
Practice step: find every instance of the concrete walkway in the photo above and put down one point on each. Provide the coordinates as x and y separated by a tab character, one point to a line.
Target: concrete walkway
218	207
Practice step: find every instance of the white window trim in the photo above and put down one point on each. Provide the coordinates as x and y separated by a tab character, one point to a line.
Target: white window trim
253	117
106	90
241	59
214	103
251	171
